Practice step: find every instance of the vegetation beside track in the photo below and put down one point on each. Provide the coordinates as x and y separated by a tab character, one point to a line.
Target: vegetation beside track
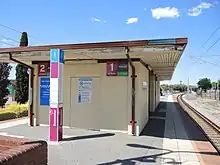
13	111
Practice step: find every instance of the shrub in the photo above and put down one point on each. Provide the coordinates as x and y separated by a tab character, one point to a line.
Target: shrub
7	116
14	111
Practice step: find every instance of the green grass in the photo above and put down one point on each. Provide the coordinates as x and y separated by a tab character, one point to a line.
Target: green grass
14	111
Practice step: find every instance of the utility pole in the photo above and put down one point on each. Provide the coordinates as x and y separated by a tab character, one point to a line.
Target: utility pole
188	86
218	89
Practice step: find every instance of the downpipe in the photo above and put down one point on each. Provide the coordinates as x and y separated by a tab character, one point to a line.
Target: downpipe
133	76
31	84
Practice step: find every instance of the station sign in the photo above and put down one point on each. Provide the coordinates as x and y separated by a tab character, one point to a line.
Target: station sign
112	68
117	68
44	69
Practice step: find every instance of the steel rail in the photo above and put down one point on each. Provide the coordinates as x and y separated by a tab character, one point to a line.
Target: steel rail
210	129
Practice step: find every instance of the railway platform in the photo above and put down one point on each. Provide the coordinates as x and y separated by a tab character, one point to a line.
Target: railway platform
183	139
169	138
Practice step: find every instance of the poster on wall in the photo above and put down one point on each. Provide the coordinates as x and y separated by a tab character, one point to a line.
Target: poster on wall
117	68
85	90
44	91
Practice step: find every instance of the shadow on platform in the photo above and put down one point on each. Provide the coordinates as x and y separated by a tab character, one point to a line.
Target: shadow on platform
88	136
156	124
152	158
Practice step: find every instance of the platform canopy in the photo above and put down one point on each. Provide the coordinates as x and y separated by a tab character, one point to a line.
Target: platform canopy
161	55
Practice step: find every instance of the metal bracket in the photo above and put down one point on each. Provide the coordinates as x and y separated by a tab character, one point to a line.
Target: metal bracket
134	76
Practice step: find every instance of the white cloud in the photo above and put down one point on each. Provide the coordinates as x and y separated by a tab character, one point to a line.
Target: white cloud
166	12
5	40
94	19
132	20
197	10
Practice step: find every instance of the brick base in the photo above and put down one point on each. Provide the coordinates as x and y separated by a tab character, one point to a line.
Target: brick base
15	151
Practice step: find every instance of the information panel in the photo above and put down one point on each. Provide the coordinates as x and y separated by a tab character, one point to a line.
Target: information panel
122	69
85	90
44	91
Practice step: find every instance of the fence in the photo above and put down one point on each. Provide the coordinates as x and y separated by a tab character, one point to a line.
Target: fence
209	94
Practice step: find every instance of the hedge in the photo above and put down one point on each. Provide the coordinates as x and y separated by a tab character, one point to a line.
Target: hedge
14	111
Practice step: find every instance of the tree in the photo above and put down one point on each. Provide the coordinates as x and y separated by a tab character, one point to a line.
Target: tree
165	87
5	69
180	87
24	40
22	78
204	83
214	85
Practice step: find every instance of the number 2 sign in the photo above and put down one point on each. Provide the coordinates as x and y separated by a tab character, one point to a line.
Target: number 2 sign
43	69
112	67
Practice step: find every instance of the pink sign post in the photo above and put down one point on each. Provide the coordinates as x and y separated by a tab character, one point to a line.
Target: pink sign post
56	94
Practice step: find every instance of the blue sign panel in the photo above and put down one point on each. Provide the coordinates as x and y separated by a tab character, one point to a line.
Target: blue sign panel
61	56
162	41
45	91
54	55
57	55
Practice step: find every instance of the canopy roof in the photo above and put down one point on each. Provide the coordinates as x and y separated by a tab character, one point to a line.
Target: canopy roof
162	55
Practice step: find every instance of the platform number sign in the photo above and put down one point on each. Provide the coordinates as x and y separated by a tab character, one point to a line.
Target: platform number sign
112	68
117	68
44	69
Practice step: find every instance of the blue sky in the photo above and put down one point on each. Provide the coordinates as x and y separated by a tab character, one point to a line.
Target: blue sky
67	21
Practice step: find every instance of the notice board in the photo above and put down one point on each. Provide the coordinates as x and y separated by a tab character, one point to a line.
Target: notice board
44	91
85	90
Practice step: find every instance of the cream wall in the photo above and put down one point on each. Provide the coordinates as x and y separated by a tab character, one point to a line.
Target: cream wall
142	103
113	94
111	112
157	92
152	93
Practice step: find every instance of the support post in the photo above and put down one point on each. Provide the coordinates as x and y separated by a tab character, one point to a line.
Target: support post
30	93
56	94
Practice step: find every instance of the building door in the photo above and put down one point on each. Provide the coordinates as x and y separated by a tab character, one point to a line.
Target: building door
85	102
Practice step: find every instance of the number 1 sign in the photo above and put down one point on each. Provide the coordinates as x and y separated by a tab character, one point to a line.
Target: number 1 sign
117	68
112	67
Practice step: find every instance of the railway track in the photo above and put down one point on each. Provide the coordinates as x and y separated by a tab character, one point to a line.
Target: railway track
209	128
